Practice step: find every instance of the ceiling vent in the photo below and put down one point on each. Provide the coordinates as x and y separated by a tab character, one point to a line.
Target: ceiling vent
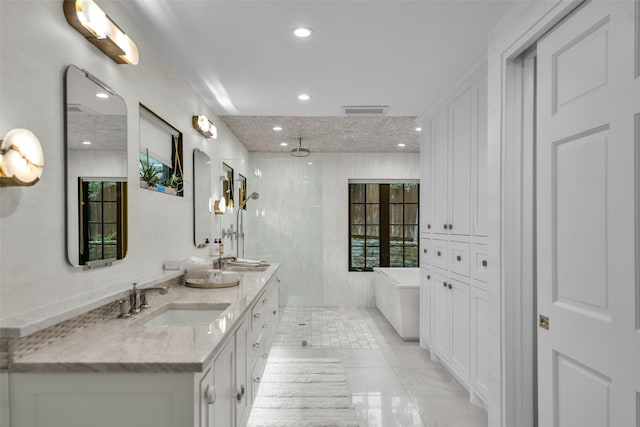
365	110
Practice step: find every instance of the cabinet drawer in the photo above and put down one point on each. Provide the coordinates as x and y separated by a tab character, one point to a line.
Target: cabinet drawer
479	268
425	252
256	376
439	253
459	261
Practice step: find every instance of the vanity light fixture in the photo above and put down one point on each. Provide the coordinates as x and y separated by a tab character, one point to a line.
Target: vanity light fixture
220	206
91	21
21	158
205	126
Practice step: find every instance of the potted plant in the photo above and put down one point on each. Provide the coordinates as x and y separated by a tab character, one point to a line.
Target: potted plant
148	174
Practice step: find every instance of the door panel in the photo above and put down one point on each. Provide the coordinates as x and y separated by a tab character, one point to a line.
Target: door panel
460	114
460	323
441	317
440	170
587	237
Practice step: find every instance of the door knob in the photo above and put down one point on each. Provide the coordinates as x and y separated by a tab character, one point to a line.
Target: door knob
450	286
544	322
484	262
450	226
240	394
439	253
444	284
458	258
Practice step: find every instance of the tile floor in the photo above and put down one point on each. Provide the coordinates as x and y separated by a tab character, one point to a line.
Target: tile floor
394	383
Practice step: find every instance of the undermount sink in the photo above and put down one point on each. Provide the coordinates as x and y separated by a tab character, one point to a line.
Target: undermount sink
186	315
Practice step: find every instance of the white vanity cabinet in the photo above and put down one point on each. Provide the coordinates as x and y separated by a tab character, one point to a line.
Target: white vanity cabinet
220	395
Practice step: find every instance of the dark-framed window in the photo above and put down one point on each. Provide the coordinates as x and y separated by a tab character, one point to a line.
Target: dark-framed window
383	225
102	227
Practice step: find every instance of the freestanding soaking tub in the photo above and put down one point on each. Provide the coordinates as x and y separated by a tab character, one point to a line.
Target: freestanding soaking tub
397	293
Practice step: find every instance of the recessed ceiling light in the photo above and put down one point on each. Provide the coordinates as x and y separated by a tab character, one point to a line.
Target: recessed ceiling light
284	144
304	97
418	129
277	128
102	95
302	32
309	163
402	145
86	142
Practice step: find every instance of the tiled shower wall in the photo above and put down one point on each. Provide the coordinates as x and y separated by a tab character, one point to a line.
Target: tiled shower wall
301	221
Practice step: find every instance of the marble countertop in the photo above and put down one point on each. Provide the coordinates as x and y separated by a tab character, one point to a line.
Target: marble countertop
126	345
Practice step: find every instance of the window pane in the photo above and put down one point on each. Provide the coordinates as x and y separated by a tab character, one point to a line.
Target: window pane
395	235
373	235
110	251
395	193
396	256
411	213
357	231
410	233
110	233
411	256
95	190
411	193
395	214
95	211
357	214
373	256
95	252
109	191
373	214
357	193
110	212
357	241
373	193
95	233
357	256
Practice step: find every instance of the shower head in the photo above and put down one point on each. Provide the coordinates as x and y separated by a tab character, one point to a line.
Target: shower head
299	151
253	196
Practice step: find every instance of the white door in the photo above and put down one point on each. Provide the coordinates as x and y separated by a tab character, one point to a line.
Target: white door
588	124
460	120
440	173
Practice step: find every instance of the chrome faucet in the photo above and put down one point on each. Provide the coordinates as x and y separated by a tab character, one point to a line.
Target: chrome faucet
220	262
138	297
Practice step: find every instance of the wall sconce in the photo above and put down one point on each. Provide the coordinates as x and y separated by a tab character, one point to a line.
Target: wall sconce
205	126
21	158
91	21
220	206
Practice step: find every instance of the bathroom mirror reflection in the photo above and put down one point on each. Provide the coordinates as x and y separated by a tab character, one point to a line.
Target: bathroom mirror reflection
202	201
96	170
227	185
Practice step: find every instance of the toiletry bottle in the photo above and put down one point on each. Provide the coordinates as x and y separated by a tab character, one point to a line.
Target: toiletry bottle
221	248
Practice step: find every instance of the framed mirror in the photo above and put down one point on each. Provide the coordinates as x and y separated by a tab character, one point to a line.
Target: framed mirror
160	154
96	171
202	201
242	191
227	185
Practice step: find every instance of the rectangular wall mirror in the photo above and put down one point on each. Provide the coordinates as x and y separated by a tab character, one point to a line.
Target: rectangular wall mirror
242	191
202	201
160	154
96	171
227	185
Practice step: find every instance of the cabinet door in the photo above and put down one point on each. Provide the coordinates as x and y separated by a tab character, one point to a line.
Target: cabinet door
205	394
460	115
241	385
223	373
479	348
426	205
425	300
479	156
441	316
439	173
460	339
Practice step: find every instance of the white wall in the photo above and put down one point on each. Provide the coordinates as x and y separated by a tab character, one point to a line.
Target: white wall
305	224
37	44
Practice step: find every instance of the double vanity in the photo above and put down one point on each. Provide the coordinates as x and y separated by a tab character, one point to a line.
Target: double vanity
194	358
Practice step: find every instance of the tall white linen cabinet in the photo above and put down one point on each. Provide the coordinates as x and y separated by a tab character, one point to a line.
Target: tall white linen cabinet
453	234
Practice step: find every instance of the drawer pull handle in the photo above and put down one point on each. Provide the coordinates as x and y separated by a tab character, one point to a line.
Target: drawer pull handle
439	253
275	311
424	250
428	277
265	326
428	226
210	394
484	262
450	226
256	316
240	394
265	356
256	345
256	380
264	301
450	286
458	258
444	226
444	284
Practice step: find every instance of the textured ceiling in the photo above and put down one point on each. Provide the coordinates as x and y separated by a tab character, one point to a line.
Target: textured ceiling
326	134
